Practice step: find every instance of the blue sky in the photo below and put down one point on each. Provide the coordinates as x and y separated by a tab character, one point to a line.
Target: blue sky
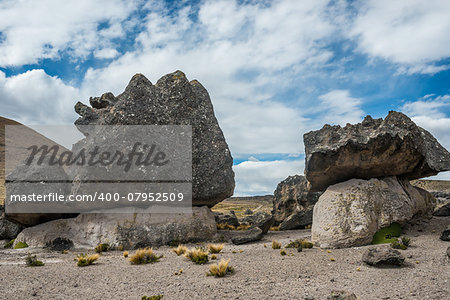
274	69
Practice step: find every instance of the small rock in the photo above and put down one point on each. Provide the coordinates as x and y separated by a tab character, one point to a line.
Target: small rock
8	229
448	251
445	235
247	236
443	211
383	256
229	219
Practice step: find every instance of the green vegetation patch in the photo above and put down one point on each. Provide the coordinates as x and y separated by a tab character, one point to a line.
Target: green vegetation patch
387	235
21	245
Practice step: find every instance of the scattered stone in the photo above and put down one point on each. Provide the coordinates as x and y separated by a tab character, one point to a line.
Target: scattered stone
448	251
298	220
443	211
173	100
342	295
349	213
229	219
378	256
128	231
374	148
247	236
293	203
445	235
8	229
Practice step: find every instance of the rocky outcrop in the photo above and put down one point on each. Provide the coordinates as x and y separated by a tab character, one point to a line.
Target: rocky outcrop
349	213
383	256
293	203
394	146
228	219
8	230
130	231
443	211
445	235
173	100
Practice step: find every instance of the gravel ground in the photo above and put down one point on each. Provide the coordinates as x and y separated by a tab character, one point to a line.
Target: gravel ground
261	273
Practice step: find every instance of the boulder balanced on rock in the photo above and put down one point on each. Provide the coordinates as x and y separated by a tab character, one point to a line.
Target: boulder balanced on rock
365	169
374	148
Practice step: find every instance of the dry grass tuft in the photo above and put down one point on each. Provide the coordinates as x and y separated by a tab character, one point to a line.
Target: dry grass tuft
276	245
243	227
103	247
215	248
222	226
125	254
84	260
144	256
180	250
197	255
274	228
221	269
213	256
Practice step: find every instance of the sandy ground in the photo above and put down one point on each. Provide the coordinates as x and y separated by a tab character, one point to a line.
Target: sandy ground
261	273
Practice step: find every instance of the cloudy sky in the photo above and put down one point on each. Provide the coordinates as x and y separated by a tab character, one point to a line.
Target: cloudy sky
274	69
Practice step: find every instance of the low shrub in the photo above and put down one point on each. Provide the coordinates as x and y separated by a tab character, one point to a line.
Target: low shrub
276	245
197	255
220	270
180	250
144	256
101	248
9	244
84	260
215	248
154	297
32	261
402	244
20	245
282	252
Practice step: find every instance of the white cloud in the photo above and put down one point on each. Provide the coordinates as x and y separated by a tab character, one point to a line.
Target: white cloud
427	112
412	33
262	177
341	108
34	97
106	53
33	30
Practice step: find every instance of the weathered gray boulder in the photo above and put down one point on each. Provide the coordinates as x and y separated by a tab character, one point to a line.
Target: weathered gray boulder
448	251
394	146
445	235
349	213
229	219
247	236
383	256
130	231
262	220
293	203
8	230
443	211
298	220
173	100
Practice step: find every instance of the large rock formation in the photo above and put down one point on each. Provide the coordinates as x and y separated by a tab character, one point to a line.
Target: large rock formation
173	100
293	203
349	213
394	146
130	231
